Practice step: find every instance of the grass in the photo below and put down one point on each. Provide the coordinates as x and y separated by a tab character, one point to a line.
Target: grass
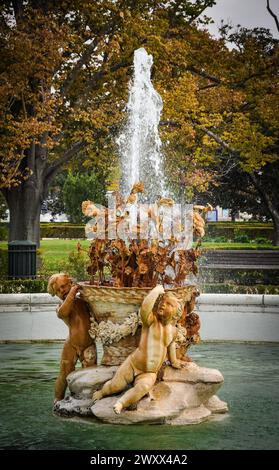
56	251
59	249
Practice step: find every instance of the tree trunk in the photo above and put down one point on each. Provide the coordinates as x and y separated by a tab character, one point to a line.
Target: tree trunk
270	204
275	219
25	206
24	202
233	215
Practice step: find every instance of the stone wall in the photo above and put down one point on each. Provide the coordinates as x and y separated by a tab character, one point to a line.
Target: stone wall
32	317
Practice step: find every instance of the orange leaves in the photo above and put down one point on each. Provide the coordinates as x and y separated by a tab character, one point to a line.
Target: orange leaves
138	188
136	262
140	264
131	199
198	223
142	267
30	54
89	209
165	201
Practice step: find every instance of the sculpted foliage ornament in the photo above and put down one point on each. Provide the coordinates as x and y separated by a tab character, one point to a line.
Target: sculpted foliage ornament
137	262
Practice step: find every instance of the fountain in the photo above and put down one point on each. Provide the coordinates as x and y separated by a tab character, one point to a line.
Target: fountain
179	392
140	143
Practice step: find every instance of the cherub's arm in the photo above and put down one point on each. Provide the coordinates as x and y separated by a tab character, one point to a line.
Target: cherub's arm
65	309
172	355
148	304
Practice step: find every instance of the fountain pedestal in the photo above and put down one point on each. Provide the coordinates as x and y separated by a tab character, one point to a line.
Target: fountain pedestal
181	397
115	320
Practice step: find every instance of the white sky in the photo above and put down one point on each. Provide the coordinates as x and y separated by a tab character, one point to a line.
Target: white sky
247	13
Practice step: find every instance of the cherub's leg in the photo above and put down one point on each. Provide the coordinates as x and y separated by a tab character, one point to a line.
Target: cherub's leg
89	356
123	377
67	365
143	384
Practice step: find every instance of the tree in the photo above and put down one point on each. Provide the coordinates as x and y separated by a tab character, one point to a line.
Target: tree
81	187
252	140
64	72
64	84
235	191
54	202
222	113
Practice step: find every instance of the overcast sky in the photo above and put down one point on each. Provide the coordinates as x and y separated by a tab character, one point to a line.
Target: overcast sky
248	13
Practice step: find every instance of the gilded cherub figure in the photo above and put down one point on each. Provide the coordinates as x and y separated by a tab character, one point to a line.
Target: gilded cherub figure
191	322
156	342
75	313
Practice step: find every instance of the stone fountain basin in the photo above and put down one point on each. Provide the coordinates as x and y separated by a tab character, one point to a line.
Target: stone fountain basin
116	303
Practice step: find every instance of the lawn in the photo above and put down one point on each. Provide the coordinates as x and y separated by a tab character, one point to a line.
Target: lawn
55	251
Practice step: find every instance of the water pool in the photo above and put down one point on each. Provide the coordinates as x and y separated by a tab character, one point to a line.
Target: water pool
28	372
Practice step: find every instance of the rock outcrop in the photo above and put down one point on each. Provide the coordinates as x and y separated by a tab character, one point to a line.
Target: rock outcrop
183	396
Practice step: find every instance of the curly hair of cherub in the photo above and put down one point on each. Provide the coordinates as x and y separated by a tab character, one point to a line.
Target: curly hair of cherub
172	296
51	287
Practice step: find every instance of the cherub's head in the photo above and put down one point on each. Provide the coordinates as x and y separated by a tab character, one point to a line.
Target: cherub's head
59	284
192	324
168	308
190	305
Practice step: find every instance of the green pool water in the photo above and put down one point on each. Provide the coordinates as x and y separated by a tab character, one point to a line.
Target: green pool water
27	374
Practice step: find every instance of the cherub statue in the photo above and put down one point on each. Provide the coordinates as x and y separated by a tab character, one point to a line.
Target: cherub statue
191	322
79	345
156	342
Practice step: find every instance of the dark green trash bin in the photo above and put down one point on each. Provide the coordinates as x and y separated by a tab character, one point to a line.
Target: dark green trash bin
22	259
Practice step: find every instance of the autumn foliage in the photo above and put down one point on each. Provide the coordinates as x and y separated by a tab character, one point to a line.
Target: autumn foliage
64	74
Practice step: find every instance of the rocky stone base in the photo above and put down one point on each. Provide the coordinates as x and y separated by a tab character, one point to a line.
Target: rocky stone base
183	396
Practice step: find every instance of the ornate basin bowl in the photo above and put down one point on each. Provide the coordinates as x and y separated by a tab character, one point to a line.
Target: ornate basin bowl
115	320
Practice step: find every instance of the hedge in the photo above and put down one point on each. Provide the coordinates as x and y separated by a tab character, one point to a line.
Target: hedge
62	231
51	230
23	286
235	230
3	262
243	277
221	231
3	231
233	289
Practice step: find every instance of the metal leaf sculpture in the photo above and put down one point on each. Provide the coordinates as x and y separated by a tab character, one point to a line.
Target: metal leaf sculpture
136	262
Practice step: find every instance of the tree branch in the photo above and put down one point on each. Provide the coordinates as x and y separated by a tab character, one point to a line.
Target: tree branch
101	73
206	4
217	81
204	74
218	139
170	123
18	8
264	194
272	14
78	66
68	154
211	134
212	85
